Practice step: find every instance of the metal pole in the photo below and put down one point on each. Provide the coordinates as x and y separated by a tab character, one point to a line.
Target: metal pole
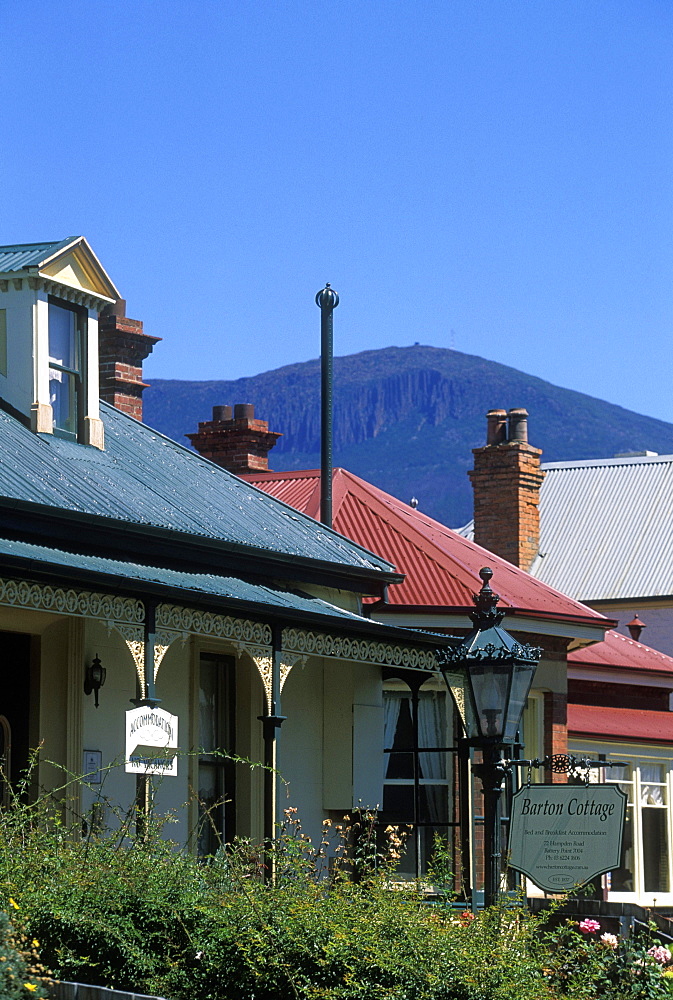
271	723
327	300
417	782
491	773
150	697
465	818
144	785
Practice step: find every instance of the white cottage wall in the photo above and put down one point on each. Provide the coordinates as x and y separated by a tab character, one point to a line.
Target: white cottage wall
16	385
300	747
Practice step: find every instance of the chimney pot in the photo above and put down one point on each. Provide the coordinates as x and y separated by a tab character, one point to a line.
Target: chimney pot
496	427
241	445
635	627
242	410
518	425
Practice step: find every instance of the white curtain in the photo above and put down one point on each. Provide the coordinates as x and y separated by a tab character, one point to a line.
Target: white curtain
392	704
432	733
651	794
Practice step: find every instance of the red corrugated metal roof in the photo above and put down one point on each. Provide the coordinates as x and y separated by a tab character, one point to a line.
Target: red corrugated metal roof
618	650
441	567
622	723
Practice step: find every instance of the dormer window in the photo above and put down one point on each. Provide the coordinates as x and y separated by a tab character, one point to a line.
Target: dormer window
51	295
67	324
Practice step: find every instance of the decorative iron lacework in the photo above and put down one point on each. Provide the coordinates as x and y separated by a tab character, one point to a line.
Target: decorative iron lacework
263	660
490	652
38	597
362	650
127	614
177	619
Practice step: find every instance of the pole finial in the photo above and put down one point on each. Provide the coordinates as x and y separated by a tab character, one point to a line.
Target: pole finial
327	298
486	613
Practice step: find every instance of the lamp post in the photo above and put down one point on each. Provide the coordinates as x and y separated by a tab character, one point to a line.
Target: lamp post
327	300
489	675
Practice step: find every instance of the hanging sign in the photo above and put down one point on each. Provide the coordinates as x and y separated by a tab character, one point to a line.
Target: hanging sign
151	739
562	836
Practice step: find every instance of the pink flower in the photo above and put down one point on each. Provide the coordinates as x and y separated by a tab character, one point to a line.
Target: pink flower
660	954
589	926
610	940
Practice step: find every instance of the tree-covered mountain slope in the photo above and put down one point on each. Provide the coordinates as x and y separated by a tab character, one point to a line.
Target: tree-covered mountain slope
407	418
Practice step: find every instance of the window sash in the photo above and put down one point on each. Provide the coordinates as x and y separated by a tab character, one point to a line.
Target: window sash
66	325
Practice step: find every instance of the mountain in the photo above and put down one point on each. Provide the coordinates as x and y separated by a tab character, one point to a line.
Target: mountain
406	419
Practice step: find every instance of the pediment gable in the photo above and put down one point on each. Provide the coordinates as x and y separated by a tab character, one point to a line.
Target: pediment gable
78	267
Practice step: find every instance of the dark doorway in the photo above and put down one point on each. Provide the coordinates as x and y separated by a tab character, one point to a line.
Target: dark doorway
15	664
217	823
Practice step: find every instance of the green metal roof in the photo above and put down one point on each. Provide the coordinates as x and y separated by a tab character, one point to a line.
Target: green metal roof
224	593
18	256
148	481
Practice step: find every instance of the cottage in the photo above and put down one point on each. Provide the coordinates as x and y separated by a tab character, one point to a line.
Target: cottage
133	570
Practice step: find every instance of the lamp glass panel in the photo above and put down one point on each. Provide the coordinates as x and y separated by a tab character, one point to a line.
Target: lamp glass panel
522	678
456	685
489	683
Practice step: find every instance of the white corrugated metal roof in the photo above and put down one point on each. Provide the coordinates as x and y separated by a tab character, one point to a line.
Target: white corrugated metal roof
606	528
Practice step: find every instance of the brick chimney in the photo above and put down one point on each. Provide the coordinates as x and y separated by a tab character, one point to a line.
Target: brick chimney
506	480
122	348
239	444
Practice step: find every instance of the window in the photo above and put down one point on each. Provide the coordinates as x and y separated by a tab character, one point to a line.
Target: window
644	873
417	784
66	329
216	773
644	861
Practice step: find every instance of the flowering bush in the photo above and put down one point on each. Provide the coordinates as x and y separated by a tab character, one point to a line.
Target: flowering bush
584	966
660	954
142	915
21	974
589	926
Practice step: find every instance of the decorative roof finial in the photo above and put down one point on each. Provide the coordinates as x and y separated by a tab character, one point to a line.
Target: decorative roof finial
486	614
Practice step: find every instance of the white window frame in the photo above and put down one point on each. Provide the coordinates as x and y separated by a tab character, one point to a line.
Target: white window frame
434	683
638	756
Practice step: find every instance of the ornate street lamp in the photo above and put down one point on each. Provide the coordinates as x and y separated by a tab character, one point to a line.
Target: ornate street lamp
489	675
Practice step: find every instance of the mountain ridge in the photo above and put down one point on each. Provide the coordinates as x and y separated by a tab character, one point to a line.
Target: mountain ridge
407	418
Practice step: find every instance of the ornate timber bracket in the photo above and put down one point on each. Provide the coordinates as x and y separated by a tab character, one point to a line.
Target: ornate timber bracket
134	637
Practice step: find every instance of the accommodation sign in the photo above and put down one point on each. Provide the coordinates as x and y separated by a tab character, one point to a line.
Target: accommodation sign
562	836
151	741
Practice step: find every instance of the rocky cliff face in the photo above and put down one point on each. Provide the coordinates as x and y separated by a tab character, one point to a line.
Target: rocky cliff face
408	418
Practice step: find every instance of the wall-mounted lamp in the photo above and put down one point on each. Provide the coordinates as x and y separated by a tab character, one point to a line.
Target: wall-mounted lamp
94	678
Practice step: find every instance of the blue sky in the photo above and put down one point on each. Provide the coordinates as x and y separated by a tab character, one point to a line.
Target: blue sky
494	176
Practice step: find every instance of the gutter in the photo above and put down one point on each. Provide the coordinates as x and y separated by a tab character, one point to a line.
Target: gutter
98	535
38	571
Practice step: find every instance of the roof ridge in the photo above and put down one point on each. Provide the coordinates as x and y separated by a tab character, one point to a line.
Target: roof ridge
40	243
614	461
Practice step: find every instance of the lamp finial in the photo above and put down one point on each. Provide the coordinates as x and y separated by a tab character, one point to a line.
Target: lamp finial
486	614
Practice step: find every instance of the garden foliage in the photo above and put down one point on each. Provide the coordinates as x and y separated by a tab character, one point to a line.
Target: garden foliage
139	914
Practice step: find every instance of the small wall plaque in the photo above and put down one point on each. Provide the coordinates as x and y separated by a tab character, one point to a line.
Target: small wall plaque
91	766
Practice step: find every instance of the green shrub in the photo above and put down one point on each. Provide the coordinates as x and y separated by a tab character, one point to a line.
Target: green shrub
583	963
21	973
333	924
